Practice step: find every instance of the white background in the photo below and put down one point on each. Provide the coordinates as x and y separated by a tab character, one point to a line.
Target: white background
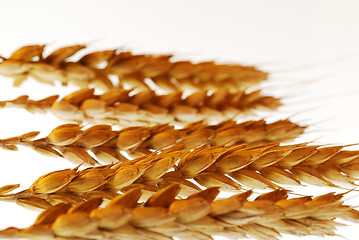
310	47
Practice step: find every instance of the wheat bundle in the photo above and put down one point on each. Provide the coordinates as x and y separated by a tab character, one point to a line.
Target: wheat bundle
120	107
172	165
230	168
70	141
199	216
130	69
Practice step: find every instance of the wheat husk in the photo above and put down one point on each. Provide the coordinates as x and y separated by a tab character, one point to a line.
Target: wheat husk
232	168
69	139
200	216
129	69
119	106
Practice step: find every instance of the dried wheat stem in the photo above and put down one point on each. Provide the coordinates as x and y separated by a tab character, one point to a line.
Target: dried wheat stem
130	69
121	107
199	216
71	142
226	167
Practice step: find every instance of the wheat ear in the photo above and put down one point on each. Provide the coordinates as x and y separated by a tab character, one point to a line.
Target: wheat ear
226	167
130	69
199	216
117	106
73	143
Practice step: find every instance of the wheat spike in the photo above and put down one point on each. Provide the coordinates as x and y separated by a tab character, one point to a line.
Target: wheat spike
120	107
71	141
130	69
199	216
263	166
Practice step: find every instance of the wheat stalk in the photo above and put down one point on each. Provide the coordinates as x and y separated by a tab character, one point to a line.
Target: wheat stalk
230	168
73	143
199	216
130	69
120	107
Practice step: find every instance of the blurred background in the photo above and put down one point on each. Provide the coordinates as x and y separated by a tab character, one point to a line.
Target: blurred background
310	48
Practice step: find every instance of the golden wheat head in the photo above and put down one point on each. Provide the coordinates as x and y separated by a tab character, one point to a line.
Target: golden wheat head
130	69
199	216
74	143
231	168
119	106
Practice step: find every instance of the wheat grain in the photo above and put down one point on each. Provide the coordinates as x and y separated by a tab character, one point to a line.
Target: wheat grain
70	140
117	106
230	168
130	69
199	216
